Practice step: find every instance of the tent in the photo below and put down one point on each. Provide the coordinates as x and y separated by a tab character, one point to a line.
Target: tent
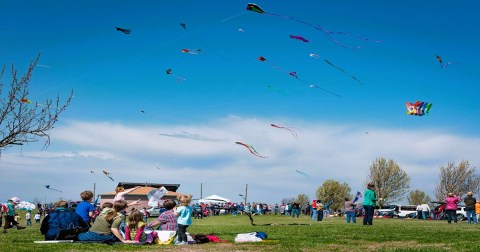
213	199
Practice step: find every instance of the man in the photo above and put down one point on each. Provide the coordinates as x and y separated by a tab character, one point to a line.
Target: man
60	219
425	210
10	217
470	208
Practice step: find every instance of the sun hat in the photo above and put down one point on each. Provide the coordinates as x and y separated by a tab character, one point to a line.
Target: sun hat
15	200
470	193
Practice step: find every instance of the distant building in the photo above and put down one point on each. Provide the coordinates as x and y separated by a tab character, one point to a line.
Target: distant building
140	193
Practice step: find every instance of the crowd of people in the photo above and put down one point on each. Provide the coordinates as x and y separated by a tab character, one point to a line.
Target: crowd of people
110	223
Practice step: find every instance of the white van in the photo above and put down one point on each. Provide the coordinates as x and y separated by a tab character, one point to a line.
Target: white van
401	211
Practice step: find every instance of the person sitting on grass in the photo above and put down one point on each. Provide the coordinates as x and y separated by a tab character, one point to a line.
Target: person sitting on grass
61	218
86	208
107	224
167	220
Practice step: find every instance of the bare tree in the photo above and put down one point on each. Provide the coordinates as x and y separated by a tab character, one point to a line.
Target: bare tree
288	200
332	189
457	179
22	121
418	197
391	182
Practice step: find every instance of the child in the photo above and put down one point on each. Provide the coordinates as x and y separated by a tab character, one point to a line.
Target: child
37	218
184	217
85	208
28	218
135	227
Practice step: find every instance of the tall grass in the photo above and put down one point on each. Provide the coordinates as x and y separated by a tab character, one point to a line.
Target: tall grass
332	234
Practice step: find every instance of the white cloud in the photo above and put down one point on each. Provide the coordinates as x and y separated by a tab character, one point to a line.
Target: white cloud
188	154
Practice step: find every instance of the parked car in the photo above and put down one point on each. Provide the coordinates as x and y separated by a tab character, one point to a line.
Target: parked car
155	211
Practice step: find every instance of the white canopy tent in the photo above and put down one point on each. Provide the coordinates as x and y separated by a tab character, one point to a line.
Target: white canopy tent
213	199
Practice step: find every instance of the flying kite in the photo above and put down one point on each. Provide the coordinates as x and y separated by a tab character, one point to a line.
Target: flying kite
329	34
347	73
108	175
444	65
191	51
299	38
313	55
357	197
48	187
241	30
292	131
302	173
295	75
177	78
251	149
126	31
25	100
155	196
418	108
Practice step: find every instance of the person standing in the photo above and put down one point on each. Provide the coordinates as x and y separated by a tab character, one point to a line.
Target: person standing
419	212
37	218
350	211
470	208
369	203
28	218
10	216
451	207
425	210
314	209
477	210
295	209
184	217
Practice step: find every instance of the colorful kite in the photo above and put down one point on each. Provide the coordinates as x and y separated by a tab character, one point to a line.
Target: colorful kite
155	196
295	75
302	173
357	197
418	108
191	51
347	73
126	31
251	149
25	100
444	65
329	34
299	38
48	187
292	131
108	175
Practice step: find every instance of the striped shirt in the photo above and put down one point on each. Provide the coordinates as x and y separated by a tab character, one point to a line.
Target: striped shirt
168	221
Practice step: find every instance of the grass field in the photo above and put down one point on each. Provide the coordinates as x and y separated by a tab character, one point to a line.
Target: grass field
332	234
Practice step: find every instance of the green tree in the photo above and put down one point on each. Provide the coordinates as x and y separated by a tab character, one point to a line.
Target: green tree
21	120
418	197
391	182
458	179
332	189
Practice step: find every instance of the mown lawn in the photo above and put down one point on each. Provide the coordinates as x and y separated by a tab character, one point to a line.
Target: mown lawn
333	234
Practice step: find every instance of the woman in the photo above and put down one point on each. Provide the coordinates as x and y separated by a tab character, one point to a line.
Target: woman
106	226
451	207
61	218
369	203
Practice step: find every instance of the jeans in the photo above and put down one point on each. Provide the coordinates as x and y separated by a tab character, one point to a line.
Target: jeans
471	216
92	236
351	216
295	212
424	215
319	215
29	222
451	214
368	218
314	214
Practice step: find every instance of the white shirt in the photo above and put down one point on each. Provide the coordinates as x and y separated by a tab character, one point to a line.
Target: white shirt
425	208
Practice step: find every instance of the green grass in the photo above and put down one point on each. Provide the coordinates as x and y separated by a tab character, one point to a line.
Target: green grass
332	234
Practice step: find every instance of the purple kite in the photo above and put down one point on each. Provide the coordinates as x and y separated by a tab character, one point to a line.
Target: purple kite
299	38
329	34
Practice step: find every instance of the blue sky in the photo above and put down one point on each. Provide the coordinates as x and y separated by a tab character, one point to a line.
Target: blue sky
188	130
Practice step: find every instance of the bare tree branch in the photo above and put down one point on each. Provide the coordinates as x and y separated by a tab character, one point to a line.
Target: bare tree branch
22	121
